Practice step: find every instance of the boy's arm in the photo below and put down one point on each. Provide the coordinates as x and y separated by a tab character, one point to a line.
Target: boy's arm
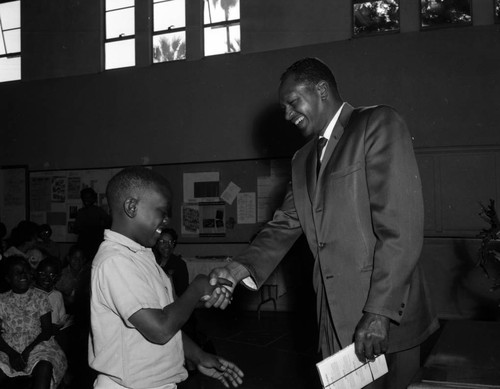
212	365
160	325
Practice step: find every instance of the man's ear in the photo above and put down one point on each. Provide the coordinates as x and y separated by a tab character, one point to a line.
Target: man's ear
130	207
323	89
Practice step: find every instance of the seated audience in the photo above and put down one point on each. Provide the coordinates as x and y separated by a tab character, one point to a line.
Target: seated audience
27	346
22	238
73	276
46	243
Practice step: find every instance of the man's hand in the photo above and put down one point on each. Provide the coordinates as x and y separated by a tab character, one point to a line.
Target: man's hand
371	337
220	297
220	369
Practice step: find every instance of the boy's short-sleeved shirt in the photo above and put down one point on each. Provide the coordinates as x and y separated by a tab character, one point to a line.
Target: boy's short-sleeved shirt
126	278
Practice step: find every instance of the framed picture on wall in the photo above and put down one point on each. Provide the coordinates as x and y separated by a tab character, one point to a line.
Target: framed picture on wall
445	13
496	6
375	17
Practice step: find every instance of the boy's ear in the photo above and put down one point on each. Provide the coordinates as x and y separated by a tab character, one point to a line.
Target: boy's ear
130	207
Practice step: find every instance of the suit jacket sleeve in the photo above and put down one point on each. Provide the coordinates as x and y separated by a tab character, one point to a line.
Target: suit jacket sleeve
396	210
272	242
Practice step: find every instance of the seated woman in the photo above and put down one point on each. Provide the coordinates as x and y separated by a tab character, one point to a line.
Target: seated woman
27	346
174	266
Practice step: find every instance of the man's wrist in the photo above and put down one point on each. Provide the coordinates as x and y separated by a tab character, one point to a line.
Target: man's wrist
237	271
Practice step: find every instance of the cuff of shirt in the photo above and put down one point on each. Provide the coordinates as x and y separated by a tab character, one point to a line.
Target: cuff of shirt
241	273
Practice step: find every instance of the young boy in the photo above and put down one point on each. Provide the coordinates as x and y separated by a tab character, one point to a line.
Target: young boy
135	339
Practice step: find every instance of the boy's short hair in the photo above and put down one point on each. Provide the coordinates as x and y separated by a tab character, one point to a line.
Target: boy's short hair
8	263
52	261
131	180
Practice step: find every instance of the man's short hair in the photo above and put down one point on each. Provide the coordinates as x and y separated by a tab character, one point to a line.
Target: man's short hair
310	70
131	180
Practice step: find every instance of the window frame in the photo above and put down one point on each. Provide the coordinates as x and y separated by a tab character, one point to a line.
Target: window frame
14	54
120	38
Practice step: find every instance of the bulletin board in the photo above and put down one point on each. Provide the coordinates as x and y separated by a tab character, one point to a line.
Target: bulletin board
54	197
225	202
213	202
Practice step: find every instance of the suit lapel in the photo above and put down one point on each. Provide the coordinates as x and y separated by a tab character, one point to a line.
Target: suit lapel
337	132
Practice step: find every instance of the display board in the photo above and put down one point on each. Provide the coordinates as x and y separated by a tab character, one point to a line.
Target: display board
55	197
225	202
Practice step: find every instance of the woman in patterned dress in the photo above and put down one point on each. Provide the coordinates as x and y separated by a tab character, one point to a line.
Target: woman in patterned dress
27	346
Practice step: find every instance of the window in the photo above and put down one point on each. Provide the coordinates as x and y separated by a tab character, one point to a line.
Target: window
371	17
119	43
440	13
10	41
221	26
169	30
497	11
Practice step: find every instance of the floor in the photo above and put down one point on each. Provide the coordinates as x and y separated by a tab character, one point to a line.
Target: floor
277	350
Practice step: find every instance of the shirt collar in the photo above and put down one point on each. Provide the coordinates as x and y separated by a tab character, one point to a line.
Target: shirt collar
116	237
331	125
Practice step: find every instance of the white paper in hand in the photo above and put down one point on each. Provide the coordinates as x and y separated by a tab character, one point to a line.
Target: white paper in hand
343	370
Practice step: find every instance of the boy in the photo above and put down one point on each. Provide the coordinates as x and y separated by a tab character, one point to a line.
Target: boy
135	339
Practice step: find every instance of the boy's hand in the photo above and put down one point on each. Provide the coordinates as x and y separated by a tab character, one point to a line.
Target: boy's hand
220	369
209	288
218	301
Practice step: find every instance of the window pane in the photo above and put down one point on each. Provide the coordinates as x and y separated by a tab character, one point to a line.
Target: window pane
120	23
376	16
436	13
10	15
222	39
120	54
10	69
169	14
169	47
13	41
221	10
116	4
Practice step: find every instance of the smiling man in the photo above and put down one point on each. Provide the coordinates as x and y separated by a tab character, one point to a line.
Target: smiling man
358	200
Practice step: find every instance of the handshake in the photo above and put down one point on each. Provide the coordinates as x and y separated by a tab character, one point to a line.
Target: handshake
219	293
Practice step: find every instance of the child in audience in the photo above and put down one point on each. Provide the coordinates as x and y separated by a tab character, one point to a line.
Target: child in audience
73	276
136	340
27	346
34	256
46	243
46	275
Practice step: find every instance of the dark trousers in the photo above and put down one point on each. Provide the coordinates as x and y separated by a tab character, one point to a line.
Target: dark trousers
402	366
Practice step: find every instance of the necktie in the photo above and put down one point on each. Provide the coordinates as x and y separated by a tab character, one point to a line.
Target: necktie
319	149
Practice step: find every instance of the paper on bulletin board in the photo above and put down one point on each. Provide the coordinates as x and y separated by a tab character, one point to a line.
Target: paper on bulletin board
201	187
190	225
230	193
246	208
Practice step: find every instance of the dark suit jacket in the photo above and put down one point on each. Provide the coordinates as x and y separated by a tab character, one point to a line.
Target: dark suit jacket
363	220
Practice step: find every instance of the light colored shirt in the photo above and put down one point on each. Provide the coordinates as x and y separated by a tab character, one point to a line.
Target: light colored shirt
328	132
57	303
125	278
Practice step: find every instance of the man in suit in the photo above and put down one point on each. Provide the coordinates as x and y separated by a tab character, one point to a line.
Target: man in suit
358	200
